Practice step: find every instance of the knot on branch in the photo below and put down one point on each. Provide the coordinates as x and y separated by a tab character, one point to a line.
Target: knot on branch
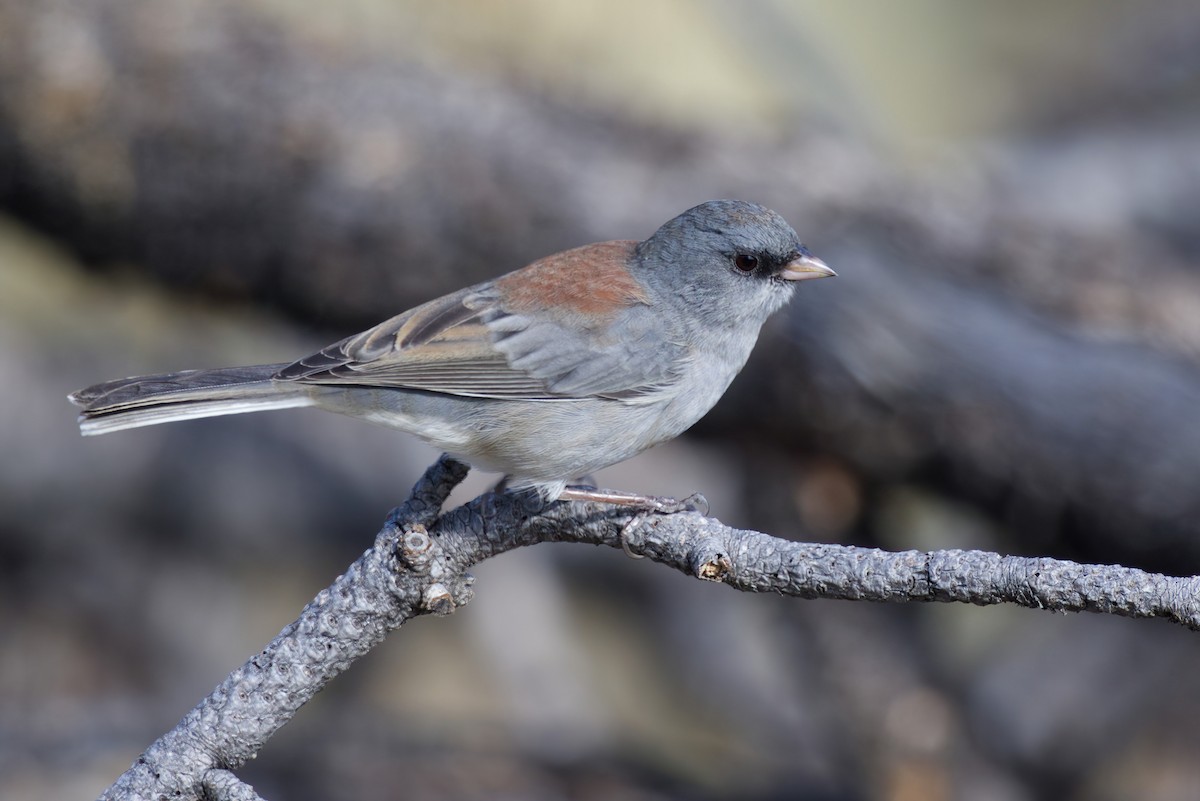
711	564
415	549
424	558
440	600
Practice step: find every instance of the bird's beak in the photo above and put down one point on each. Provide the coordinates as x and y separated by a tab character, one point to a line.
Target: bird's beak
802	267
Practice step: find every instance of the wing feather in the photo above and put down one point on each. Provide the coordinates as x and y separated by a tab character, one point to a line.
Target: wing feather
490	341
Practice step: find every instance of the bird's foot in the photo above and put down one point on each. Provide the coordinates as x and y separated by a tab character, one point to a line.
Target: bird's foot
645	504
649	503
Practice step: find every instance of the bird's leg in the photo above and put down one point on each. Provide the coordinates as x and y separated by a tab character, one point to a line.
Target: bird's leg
650	503
646	504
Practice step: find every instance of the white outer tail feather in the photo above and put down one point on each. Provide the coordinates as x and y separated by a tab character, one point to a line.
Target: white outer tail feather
153	399
171	411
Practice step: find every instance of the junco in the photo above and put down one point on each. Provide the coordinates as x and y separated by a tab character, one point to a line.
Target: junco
573	363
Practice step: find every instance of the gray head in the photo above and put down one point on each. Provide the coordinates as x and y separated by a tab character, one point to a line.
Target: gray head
730	261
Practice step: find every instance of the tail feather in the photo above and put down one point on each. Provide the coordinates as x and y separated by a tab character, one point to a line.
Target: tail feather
152	399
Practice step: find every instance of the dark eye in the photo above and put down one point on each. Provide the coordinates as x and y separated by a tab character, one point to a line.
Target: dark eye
745	263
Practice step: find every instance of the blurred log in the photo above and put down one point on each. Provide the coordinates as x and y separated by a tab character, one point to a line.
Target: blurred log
967	343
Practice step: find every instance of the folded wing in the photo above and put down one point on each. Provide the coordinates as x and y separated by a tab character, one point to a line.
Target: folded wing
487	342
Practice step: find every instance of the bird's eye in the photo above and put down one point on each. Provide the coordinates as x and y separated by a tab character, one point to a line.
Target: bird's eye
745	263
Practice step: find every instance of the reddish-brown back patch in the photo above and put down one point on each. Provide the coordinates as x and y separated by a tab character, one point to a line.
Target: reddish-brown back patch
591	280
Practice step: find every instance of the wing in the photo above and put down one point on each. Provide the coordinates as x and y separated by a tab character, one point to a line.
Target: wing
496	340
442	346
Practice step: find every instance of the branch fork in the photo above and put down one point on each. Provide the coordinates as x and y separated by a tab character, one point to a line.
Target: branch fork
418	565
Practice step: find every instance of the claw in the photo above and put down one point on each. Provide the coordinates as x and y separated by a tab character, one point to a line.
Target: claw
628	529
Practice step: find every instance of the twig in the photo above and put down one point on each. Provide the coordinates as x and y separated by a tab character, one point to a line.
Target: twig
419	562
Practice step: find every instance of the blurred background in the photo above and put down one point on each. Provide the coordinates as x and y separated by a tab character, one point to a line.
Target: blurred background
1009	360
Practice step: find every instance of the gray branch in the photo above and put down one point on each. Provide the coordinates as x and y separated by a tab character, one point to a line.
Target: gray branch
418	565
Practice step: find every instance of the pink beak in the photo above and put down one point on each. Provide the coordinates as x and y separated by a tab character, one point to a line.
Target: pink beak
803	267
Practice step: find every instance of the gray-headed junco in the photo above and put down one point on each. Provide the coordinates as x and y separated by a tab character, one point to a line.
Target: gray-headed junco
573	363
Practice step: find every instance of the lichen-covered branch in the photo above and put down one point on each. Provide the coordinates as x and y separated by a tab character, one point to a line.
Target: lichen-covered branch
419	561
381	590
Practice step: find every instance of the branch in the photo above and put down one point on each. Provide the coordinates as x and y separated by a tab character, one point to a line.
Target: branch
344	622
419	562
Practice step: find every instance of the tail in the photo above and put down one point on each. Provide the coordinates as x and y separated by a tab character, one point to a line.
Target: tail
152	399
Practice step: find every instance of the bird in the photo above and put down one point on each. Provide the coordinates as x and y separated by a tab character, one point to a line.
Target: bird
575	362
